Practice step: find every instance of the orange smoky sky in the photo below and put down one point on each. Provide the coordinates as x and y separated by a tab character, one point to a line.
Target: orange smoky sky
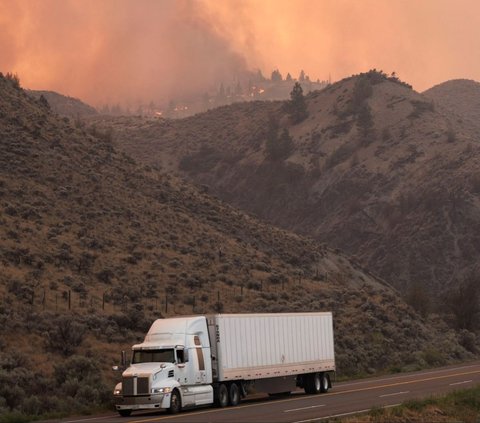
131	51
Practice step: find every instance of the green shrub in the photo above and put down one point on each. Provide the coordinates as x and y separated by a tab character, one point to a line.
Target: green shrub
365	125
65	336
279	148
13	79
277	278
362	90
433	357
32	405
80	378
421	107
376	412
414	405
296	107
14	417
76	367
467	340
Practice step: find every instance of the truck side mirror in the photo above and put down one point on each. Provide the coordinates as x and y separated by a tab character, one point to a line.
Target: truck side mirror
124	359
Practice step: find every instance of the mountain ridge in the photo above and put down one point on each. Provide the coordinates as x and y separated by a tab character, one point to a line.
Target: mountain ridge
364	189
64	105
459	97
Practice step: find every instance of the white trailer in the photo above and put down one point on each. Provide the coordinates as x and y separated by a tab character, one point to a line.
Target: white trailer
201	360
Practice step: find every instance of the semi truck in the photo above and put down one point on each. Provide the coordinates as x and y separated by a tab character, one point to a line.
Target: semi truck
219	359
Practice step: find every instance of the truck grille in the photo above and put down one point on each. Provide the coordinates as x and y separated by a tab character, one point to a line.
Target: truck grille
141	387
127	386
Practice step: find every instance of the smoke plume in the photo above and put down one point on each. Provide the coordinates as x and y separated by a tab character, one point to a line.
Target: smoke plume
136	51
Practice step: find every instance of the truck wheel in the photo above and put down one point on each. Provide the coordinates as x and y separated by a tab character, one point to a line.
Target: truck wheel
175	403
221	395
234	394
125	413
325	382
317	383
313	383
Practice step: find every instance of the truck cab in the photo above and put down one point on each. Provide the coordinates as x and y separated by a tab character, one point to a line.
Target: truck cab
170	370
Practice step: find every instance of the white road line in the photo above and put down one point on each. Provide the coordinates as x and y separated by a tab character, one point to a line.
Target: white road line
402	376
304	408
316	419
460	383
391	395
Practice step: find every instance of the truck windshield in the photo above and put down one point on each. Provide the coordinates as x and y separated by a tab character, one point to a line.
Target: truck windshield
153	356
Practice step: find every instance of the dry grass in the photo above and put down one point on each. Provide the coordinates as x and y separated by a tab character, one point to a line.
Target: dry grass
458	406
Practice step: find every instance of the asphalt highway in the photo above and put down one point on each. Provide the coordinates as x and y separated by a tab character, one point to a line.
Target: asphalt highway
343	399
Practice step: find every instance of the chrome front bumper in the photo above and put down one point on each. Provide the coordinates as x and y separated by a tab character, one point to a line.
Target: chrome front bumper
145	402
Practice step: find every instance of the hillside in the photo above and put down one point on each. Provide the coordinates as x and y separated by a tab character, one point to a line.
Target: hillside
377	170
64	105
459	97
94	247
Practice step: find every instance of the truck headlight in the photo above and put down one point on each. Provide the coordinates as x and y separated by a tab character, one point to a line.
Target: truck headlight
161	390
117	392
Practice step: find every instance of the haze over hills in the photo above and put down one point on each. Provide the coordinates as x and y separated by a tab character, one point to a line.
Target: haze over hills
377	170
94	246
64	105
248	86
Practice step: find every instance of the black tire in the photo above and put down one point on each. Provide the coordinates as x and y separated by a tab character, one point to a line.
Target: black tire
307	384
221	397
175	403
325	383
125	413
234	394
317	383
313	384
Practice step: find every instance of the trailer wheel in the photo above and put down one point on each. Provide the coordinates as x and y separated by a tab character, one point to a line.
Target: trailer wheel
325	382
221	396
307	384
125	413
317	383
313	384
175	403
234	394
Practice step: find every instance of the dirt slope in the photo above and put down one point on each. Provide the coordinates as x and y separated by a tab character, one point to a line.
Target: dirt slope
459	98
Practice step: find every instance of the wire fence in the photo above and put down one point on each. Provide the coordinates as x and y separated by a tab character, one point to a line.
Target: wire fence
109	301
